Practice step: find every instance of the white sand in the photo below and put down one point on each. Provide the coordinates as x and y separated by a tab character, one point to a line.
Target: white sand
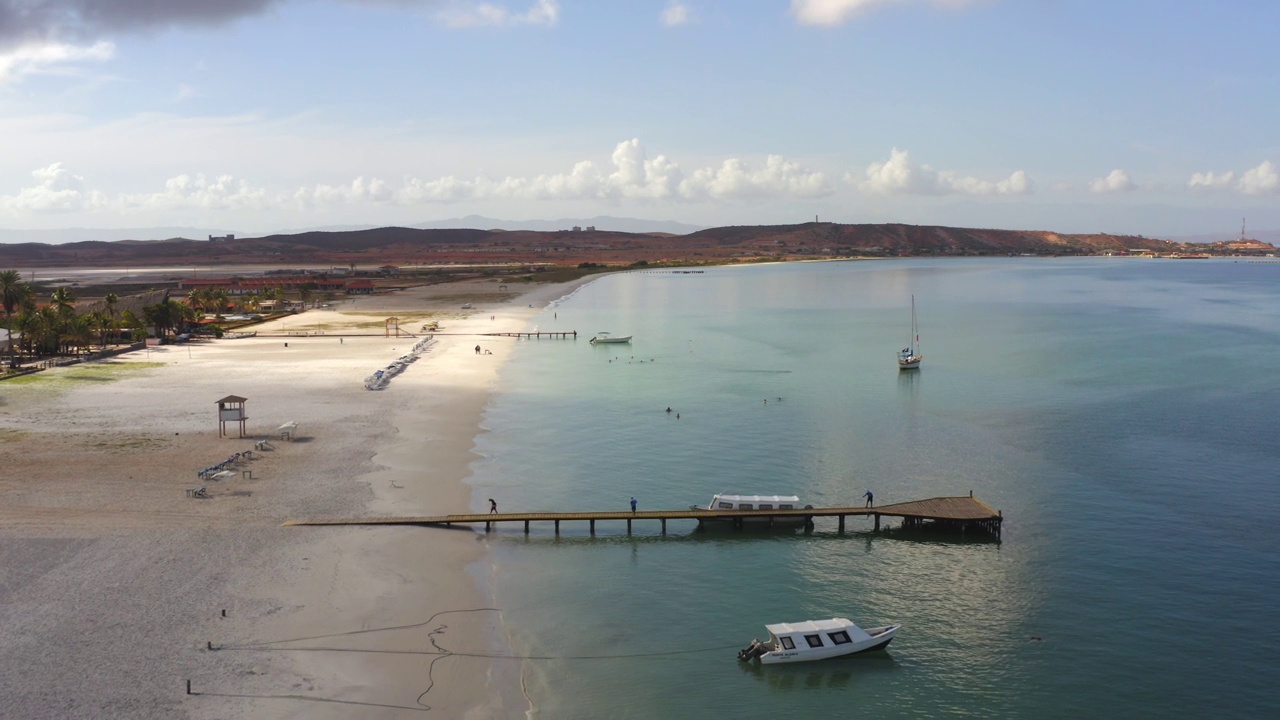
112	580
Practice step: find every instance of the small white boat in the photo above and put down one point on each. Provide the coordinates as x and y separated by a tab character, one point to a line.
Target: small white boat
816	640
761	504
910	356
604	337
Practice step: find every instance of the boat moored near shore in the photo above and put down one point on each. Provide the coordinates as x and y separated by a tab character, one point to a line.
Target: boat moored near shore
604	337
816	640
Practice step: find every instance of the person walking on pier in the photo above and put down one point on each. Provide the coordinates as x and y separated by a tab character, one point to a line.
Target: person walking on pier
633	504
871	499
493	506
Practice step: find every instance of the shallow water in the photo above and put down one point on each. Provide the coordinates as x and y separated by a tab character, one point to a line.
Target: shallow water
1119	412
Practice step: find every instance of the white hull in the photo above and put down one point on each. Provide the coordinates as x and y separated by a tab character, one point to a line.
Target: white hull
599	340
764	520
910	363
816	640
878	642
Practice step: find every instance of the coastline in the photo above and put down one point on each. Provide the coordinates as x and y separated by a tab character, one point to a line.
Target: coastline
113	576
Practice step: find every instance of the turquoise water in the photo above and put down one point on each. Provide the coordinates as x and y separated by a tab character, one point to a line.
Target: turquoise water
1120	412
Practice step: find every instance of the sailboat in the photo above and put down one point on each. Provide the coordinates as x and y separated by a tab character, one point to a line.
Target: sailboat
910	356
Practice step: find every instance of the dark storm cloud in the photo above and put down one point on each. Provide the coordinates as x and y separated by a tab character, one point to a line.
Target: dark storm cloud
85	19
79	19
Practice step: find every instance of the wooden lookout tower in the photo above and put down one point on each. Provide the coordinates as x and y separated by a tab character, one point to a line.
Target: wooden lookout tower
231	409
393	326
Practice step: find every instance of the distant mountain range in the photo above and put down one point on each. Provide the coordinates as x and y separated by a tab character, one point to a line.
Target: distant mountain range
471	222
71	235
472	246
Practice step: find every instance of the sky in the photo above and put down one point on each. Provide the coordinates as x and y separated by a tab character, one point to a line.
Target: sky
1150	117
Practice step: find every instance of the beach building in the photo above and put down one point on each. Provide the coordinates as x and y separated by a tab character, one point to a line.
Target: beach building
360	287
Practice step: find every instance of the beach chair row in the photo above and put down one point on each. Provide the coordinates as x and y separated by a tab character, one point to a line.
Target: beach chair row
212	471
379	379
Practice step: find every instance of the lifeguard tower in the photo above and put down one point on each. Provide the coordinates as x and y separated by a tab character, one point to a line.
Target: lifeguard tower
231	409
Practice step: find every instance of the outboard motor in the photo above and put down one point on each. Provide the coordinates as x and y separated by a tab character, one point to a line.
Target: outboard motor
752	651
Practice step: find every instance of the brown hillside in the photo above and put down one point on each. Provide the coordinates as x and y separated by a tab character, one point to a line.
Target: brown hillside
724	244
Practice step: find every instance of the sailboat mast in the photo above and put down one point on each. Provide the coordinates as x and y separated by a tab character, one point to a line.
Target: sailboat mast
915	329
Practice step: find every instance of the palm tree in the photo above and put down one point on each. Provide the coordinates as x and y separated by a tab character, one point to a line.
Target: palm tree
162	316
189	316
129	319
63	301
100	324
12	294
76	334
111	300
41	331
305	292
219	298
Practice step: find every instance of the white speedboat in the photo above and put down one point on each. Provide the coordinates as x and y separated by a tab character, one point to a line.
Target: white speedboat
761	504
604	337
816	640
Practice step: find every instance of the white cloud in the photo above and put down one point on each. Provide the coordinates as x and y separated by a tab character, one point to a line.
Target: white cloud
49	57
900	176
630	176
1211	181
1262	180
734	180
542	12
836	12
360	190
55	191
1117	181
196	192
676	13
634	177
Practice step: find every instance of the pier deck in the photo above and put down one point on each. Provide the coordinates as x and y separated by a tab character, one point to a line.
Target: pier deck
960	512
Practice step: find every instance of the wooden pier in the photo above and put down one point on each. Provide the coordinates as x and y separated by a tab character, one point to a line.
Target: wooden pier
567	335
963	514
558	335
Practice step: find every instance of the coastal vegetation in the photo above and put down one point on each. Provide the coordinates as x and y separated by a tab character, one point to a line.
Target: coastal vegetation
42	323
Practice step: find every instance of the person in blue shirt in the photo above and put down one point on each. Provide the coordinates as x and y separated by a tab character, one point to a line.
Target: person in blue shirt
633	504
871	499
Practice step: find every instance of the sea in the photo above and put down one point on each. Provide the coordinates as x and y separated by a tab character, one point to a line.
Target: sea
1120	412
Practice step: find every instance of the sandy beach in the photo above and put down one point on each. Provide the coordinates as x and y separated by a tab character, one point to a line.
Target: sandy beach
114	582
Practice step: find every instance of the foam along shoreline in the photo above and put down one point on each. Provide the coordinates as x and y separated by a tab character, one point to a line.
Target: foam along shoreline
317	621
